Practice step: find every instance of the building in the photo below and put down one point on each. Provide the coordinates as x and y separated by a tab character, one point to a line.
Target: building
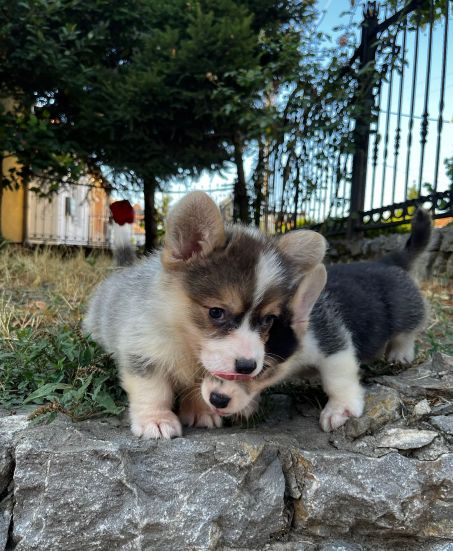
75	215
138	230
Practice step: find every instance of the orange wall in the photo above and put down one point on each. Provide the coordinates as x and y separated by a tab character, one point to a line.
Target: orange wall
12	209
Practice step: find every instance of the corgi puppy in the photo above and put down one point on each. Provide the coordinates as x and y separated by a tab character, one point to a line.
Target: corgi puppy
203	304
337	319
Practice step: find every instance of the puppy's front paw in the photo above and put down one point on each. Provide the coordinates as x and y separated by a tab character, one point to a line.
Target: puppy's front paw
193	412
337	412
204	419
156	424
401	356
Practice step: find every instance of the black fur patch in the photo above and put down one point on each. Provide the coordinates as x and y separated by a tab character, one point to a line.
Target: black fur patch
374	301
415	245
282	342
326	322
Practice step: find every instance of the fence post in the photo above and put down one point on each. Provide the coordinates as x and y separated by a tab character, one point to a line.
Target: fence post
365	99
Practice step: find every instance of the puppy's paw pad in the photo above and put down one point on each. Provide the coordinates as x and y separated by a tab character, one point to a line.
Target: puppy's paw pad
163	424
335	414
201	420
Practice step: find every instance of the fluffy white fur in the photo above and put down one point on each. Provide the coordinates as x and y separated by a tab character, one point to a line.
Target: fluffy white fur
144	315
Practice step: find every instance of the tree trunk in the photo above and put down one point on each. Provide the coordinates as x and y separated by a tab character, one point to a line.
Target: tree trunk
241	201
1	193
151	237
258	185
1	199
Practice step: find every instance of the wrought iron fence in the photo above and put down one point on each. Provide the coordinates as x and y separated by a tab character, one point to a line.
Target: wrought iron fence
365	168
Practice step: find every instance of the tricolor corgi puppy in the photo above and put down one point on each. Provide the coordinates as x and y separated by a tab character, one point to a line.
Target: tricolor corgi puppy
204	303
365	310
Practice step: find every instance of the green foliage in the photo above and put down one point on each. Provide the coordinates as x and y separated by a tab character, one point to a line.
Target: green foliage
45	361
449	169
151	89
42	156
422	15
59	370
145	86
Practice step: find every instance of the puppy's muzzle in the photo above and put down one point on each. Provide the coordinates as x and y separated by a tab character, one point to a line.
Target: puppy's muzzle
218	400
245	366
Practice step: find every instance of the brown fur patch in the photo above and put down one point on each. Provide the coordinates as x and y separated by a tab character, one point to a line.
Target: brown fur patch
194	229
305	247
227	274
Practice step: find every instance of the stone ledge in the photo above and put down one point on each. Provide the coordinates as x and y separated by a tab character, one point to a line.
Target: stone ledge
280	485
438	260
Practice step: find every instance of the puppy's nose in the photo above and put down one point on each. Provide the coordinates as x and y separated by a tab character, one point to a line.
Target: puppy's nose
219	400
245	366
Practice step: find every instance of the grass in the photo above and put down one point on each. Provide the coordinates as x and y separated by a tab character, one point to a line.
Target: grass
46	362
438	336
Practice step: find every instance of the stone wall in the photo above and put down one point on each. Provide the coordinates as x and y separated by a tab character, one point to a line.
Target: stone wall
438	260
383	482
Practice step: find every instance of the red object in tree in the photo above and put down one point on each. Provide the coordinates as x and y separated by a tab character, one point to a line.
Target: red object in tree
122	212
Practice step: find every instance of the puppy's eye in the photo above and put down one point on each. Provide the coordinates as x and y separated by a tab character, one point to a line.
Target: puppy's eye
268	320
217	313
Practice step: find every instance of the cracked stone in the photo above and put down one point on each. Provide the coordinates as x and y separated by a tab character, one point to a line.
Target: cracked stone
447	240
442	409
339	546
5	518
382	405
422	408
405	439
443	423
9	427
432	451
280	485
386	497
124	493
433	378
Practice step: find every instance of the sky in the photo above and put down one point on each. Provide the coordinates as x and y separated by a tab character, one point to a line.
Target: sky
220	185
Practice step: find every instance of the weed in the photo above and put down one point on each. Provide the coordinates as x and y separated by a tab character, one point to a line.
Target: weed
45	360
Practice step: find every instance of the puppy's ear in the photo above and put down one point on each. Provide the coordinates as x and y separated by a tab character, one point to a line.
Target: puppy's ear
306	296
306	247
194	228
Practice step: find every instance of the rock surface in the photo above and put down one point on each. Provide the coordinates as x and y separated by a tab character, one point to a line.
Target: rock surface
443	423
437	260
281	485
433	378
405	439
422	408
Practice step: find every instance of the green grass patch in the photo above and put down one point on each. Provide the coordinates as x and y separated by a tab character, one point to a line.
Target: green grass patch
59	370
45	360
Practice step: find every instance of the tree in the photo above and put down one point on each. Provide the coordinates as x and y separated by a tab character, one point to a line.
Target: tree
246	102
45	50
152	89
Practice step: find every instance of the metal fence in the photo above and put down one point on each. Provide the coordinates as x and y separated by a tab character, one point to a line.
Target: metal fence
385	147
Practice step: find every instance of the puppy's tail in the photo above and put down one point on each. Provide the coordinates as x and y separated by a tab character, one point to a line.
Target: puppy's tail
415	245
123	218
